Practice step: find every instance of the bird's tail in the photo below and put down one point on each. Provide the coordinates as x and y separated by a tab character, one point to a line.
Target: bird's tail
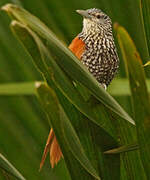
53	147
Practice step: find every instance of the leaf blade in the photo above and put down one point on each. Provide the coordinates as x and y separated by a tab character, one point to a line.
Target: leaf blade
50	101
7	166
22	88
140	97
125	148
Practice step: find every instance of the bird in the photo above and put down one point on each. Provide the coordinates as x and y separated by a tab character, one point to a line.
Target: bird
94	46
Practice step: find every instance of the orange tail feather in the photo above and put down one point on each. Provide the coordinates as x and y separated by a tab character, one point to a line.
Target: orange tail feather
53	147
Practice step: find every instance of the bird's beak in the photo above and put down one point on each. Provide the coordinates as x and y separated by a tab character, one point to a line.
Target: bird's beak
84	13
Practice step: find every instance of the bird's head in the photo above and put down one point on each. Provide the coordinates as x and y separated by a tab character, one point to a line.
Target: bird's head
95	20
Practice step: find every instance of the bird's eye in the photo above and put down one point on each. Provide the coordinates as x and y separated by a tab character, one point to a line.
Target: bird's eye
98	16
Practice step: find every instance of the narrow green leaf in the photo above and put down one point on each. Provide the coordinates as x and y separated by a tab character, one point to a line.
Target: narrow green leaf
140	96
125	148
75	145
8	167
57	116
130	161
67	60
145	9
22	88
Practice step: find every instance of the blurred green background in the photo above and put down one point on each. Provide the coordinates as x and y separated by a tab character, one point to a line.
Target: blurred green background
23	125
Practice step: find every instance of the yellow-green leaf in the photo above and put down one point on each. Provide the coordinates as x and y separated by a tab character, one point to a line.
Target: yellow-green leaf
140	96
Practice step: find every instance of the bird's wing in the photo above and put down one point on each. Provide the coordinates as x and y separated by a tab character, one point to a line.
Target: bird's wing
77	46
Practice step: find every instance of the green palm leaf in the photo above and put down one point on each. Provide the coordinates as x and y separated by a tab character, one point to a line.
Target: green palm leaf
9	168
140	96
